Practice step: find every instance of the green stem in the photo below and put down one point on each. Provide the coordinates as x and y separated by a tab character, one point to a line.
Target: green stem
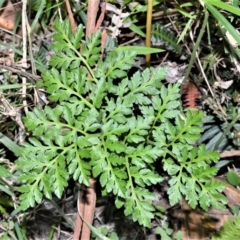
81	58
130	179
193	56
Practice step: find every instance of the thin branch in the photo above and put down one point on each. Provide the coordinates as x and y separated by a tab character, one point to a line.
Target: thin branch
230	153
24	58
21	72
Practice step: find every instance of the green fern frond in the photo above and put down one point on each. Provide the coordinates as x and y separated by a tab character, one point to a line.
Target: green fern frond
162	36
115	129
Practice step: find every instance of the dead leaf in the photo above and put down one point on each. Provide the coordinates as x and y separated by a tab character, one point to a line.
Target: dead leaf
8	16
223	84
117	19
231	40
175	72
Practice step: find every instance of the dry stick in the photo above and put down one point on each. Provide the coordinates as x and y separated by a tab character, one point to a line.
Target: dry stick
87	202
70	16
78	223
148	30
20	72
91	16
104	35
230	153
80	205
101	17
24	59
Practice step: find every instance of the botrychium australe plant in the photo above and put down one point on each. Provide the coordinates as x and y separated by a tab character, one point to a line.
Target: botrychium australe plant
115	128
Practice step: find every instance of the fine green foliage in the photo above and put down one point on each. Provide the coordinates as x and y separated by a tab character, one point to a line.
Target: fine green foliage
166	233
229	230
5	191
162	36
114	128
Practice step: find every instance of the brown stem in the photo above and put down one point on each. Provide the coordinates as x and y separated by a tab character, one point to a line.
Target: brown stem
230	153
70	15
91	16
87	200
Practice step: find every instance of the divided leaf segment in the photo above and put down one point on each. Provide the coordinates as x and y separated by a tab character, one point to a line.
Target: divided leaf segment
114	128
